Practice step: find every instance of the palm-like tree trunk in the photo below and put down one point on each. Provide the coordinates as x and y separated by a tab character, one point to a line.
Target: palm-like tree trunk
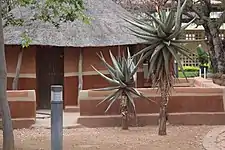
8	138
124	112
163	110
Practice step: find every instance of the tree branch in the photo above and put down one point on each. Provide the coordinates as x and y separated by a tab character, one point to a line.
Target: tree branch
198	21
198	12
221	20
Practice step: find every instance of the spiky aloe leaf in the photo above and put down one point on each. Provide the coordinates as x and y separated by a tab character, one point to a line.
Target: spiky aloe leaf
178	17
158	67
131	100
134	70
188	41
150	39
141	32
110	69
157	50
105	77
148	48
139	94
166	56
153	62
158	21
170	22
121	83
116	96
107	88
181	49
116	64
183	6
108	98
140	21
177	58
146	28
181	29
160	32
163	16
101	56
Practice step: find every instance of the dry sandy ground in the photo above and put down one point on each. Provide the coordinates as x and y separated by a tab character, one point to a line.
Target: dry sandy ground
142	138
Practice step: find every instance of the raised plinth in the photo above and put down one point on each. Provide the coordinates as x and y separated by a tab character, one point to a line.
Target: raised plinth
200	103
22	105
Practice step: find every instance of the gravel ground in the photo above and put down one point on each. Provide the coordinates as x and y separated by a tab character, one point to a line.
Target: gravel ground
143	138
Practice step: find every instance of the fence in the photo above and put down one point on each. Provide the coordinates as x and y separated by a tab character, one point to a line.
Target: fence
195	34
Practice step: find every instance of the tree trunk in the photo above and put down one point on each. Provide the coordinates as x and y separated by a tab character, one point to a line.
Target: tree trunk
216	51
124	113
8	138
18	66
163	112
212	55
218	48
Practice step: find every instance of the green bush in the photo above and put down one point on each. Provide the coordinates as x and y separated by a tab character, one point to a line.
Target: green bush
189	68
188	74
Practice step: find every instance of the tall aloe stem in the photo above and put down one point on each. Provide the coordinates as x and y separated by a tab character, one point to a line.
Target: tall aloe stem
163	110
124	112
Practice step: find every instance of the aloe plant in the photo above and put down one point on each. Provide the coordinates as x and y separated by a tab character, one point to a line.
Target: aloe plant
121	73
161	33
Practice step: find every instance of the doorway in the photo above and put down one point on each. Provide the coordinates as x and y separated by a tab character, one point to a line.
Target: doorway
49	71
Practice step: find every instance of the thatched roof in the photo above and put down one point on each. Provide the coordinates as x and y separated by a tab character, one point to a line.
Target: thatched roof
149	5
106	28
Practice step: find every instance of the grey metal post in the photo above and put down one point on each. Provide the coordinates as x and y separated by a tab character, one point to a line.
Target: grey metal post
56	117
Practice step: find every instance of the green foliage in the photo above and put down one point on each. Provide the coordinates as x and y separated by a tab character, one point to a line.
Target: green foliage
61	11
162	33
189	68
121	77
26	40
203	56
53	11
11	20
189	74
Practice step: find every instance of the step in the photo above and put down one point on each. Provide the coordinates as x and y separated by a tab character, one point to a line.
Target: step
72	109
188	118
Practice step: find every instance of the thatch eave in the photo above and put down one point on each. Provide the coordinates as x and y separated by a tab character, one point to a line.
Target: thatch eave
106	28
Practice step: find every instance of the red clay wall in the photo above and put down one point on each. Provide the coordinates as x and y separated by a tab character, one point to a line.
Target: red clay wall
202	104
183	99
196	95
22	107
71	58
91	79
28	69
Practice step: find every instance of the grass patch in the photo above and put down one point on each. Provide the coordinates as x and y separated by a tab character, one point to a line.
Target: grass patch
189	74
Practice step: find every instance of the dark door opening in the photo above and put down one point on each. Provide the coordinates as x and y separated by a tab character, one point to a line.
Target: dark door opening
49	71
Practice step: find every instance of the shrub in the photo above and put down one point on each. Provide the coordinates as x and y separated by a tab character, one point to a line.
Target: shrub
190	68
203	56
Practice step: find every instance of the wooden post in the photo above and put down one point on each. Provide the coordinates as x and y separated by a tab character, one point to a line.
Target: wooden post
80	72
18	68
204	72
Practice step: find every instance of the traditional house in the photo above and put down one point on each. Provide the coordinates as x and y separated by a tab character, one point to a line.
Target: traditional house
63	56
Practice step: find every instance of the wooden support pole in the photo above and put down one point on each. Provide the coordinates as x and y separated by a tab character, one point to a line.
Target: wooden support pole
80	73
